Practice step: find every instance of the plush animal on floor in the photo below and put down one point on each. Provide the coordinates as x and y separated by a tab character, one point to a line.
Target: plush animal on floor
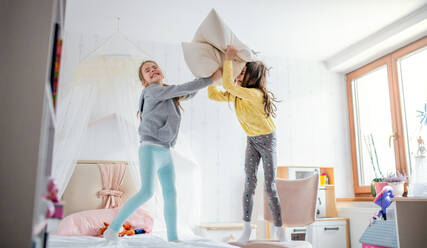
126	230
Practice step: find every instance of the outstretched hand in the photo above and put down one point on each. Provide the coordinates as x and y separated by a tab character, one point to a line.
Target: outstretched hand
216	75
230	52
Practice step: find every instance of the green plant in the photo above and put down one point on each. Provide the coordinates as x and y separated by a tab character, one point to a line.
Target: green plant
378	179
373	190
372	151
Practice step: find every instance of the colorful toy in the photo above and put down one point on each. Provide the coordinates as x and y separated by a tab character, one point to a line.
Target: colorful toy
55	206
126	230
102	229
323	179
383	199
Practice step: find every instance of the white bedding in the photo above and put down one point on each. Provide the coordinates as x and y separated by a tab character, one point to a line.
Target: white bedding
142	240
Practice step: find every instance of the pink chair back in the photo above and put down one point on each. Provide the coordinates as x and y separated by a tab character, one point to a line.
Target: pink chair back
297	200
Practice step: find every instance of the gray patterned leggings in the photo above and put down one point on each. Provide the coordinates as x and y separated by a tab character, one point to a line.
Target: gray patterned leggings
263	146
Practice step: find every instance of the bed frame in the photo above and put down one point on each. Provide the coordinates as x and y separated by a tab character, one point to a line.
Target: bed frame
80	193
85	182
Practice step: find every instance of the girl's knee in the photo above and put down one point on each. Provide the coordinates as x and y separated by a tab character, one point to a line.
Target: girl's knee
270	188
249	190
146	192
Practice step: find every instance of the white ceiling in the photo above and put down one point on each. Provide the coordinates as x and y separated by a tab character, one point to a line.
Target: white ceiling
303	29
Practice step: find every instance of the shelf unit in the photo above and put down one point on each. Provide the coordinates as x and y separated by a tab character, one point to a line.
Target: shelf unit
39	227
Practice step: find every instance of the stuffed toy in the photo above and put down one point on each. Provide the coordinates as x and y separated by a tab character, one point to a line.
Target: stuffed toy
383	199
54	206
126	230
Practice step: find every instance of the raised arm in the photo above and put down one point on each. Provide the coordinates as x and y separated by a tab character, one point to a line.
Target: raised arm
187	89
217	95
238	91
189	96
171	91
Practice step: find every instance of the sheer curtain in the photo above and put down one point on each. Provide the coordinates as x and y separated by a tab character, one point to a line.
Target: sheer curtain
72	118
101	86
104	93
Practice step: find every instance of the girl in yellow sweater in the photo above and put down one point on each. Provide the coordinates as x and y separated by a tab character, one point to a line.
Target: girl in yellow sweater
254	106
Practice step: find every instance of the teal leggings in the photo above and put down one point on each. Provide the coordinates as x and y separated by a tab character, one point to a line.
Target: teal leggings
153	159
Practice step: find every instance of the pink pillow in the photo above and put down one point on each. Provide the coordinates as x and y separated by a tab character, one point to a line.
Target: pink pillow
87	223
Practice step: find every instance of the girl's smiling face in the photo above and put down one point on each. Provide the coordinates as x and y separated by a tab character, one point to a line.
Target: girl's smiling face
151	73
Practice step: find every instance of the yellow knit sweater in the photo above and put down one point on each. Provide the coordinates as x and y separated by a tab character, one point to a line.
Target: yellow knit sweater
249	103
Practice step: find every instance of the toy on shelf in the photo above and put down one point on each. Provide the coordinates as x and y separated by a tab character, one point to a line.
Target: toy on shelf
126	230
324	179
383	199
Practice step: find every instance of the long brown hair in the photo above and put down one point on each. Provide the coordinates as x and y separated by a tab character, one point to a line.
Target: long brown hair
256	77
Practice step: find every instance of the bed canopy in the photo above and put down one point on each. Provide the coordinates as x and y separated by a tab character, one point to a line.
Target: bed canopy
96	118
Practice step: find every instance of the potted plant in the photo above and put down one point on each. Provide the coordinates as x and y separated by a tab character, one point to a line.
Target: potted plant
396	181
377	183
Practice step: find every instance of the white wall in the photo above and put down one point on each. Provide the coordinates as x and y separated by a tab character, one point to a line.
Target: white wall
294	28
312	125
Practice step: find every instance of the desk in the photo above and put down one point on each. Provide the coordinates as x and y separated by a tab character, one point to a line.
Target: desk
411	219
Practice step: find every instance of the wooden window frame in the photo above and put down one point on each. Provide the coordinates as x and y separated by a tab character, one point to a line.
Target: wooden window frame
390	60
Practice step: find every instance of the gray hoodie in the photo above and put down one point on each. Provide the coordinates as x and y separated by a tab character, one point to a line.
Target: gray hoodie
161	116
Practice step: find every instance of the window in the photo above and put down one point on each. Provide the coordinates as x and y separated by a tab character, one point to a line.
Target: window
386	99
412	77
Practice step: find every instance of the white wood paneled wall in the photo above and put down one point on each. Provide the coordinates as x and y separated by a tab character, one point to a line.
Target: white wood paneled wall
312	126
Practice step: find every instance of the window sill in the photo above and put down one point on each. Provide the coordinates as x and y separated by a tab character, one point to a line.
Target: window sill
356	199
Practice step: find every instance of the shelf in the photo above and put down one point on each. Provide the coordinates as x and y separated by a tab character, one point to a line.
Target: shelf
284	170
331	219
39	227
369	199
355	199
326	186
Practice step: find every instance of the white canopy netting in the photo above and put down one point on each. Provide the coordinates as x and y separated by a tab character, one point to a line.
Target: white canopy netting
96	119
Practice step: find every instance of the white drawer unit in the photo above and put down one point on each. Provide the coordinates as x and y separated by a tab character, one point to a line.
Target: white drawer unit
331	234
224	232
323	233
296	233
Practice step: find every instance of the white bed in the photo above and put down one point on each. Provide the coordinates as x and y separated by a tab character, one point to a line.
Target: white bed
144	240
188	192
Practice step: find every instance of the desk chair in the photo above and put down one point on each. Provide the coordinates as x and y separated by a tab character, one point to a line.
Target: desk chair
298	208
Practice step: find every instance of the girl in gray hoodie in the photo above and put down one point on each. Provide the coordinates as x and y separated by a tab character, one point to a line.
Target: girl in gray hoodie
160	116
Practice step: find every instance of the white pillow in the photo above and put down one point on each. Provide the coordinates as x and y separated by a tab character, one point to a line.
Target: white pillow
206	53
215	32
204	59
